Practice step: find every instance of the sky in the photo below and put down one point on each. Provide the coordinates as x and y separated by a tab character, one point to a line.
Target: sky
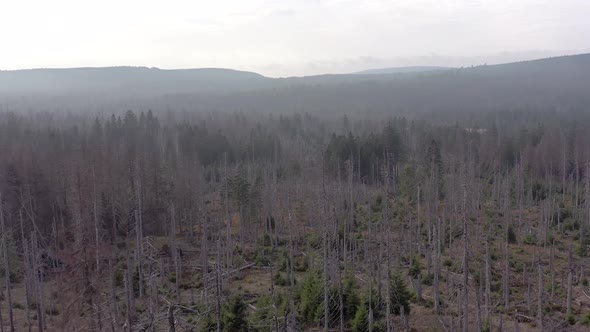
287	37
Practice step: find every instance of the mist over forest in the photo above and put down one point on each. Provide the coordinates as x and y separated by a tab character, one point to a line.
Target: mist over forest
559	83
415	199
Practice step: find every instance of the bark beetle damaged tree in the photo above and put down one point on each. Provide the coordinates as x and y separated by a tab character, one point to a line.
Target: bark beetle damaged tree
296	220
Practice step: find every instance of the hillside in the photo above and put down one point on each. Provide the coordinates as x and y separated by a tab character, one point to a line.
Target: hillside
140	80
401	70
553	83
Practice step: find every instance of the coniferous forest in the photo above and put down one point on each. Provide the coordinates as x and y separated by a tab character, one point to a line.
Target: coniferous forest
175	219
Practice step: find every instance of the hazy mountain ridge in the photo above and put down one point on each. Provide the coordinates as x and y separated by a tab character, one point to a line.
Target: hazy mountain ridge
112	79
401	70
554	83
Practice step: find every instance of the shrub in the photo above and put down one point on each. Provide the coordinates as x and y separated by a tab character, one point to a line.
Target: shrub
301	264
52	311
17	305
530	239
582	250
571	225
119	274
191	282
208	324
266	241
448	262
261	259
571	319
280	280
428	279
415	268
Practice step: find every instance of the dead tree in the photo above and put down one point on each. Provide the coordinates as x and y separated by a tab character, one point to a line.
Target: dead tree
26	269
171	322
37	281
6	265
228	245
218	285
465	259
174	251
139	235
569	282
540	296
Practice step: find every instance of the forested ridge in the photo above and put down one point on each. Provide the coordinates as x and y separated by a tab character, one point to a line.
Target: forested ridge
559	83
252	221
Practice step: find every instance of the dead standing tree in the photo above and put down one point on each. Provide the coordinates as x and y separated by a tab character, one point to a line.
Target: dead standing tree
5	234
465	255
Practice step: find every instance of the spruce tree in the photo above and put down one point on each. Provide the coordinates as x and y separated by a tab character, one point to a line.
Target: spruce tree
234	315
400	295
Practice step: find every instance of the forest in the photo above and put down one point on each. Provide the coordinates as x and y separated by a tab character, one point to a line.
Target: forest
174	220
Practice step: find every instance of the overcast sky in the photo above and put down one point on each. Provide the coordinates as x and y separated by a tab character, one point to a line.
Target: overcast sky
288	37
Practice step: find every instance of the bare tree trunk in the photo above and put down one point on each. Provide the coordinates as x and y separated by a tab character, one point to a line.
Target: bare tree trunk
37	282
129	286
112	298
96	222
388	248
352	204
274	305
488	275
325	244
171	323
419	222
552	269
218	285
340	293
326	314
478	299
6	266
174	251
291	257
205	255
1	319
129	314
569	282
26	270
436	268
465	262
506	258
540	296
228	246
139	234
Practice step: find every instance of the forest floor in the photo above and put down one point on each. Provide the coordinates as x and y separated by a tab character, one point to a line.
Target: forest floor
254	281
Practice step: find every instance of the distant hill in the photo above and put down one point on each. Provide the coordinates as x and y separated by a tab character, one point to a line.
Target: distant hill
141	80
552	83
400	70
